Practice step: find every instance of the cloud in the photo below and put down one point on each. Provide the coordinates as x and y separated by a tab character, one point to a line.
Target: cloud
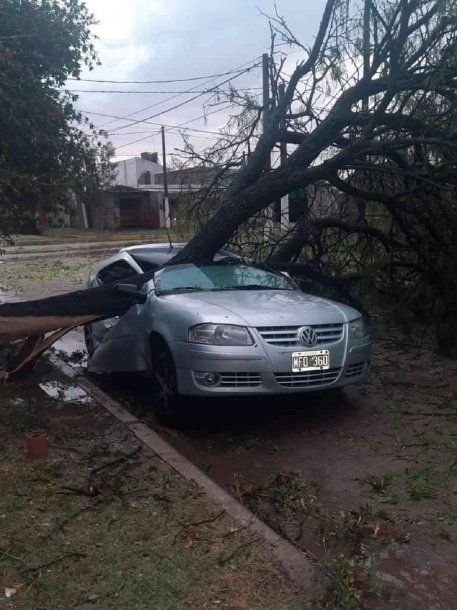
173	39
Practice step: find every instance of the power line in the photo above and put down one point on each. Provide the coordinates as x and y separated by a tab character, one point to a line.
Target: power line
212	89
192	89
203	116
237	72
145	82
112	116
152	92
168	99
175	126
151	135
169	130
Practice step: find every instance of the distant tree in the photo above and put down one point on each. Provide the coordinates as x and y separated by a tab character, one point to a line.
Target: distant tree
44	151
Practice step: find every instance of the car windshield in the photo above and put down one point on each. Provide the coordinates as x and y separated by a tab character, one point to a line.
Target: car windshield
223	275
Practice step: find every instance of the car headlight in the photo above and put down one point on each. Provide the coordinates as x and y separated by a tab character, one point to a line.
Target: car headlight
358	329
220	334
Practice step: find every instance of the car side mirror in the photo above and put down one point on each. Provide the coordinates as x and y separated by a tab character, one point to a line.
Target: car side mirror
305	285
132	290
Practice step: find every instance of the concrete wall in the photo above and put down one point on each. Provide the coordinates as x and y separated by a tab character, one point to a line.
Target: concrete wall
128	172
104	211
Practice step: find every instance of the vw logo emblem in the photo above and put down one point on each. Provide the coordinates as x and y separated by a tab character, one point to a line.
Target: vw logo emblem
307	336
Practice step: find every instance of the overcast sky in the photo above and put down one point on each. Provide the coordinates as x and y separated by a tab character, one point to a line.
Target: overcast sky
142	40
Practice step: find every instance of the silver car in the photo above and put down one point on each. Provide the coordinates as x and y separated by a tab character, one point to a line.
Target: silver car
224	328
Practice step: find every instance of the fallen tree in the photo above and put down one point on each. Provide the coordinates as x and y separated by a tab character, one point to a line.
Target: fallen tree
356	111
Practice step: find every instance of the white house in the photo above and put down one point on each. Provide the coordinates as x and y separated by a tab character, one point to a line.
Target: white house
137	171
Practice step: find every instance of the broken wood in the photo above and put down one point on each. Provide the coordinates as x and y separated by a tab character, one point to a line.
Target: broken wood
223	560
115	462
196	523
43	321
36	569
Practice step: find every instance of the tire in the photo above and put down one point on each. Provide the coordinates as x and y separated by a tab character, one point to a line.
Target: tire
89	340
166	400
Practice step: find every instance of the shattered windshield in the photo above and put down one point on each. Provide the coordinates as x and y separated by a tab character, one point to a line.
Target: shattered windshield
218	276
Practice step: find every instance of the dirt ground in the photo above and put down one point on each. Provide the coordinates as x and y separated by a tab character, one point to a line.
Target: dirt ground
364	482
70	236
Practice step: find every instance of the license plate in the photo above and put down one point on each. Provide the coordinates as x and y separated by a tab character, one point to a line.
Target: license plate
310	361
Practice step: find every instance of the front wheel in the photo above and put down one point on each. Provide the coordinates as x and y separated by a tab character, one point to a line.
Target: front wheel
166	400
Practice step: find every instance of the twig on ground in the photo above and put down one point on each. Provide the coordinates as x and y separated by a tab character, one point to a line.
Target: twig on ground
223	560
195	523
133	491
97	598
35	569
114	462
6	554
66	521
420	414
91	491
259	494
64	448
161	498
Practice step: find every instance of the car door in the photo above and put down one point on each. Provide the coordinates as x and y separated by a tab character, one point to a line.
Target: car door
115	271
124	346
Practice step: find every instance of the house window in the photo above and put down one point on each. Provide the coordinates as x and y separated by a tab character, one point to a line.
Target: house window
145	178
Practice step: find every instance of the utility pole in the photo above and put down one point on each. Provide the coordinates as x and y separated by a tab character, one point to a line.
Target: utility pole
166	203
284	204
366	46
265	126
266	91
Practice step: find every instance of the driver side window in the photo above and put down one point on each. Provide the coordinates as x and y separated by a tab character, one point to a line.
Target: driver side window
120	270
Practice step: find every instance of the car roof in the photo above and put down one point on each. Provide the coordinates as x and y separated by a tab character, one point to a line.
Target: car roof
155	247
149	256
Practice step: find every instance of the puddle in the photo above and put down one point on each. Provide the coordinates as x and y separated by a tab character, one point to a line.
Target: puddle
65	392
73	348
6	296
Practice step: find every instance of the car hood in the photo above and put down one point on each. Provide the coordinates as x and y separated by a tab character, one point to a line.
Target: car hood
264	307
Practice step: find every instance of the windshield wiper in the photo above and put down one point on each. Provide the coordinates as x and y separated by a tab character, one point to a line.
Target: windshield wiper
251	287
179	288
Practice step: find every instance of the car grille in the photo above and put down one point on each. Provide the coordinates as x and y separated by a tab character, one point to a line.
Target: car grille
307	378
238	380
356	369
285	336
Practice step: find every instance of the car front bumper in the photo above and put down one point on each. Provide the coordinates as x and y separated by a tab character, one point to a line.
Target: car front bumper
264	369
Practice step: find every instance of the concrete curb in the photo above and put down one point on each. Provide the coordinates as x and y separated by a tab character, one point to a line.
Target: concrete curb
298	568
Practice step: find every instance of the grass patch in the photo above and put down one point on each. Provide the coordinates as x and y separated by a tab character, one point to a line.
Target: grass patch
426	481
73	272
352	579
132	535
421	482
382	486
343	542
443	521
